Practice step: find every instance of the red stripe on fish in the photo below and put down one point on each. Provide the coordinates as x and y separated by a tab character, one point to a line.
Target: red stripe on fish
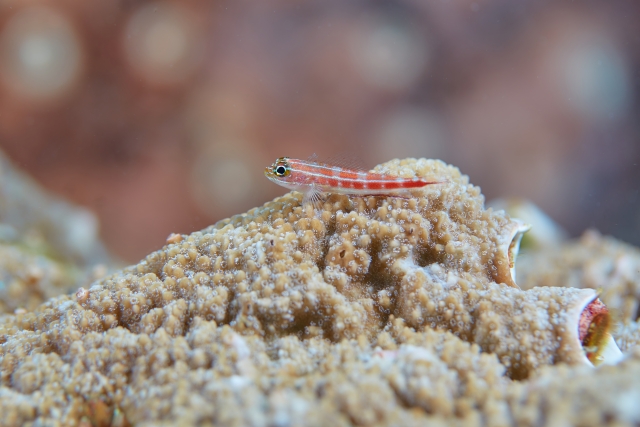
308	176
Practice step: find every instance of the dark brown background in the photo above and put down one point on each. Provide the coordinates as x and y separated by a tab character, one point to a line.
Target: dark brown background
160	116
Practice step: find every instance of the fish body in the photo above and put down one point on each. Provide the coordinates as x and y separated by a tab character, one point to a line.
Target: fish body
313	179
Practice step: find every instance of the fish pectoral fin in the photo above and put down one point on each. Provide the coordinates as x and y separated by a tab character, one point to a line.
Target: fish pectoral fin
314	197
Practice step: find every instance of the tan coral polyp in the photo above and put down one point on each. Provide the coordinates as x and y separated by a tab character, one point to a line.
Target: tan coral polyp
525	329
284	301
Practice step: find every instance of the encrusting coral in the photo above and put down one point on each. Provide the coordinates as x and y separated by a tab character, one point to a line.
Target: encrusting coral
627	335
373	310
46	221
594	261
48	247
27	279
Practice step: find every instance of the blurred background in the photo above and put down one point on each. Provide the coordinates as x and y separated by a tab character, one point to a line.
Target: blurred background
160	116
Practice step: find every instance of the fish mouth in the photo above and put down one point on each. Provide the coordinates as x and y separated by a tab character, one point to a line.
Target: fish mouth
268	172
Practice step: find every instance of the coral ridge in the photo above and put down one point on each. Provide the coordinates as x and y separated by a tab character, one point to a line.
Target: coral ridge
370	311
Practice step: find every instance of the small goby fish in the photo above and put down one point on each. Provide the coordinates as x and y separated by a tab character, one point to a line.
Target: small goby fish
315	179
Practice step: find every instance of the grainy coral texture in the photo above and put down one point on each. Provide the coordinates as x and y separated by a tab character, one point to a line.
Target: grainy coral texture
368	311
597	262
594	261
47	246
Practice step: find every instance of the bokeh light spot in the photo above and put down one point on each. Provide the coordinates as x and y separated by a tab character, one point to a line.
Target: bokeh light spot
40	54
598	81
162	42
388	55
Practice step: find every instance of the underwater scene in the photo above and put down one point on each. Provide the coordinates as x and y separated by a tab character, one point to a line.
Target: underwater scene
319	213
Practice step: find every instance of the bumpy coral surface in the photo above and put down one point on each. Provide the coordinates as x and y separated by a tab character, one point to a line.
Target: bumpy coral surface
47	246
595	262
29	212
627	335
371	311
27	279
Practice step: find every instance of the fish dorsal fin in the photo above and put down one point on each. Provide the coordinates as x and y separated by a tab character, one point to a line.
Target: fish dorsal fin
342	161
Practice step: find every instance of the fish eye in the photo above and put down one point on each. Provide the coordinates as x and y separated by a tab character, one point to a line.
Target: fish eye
281	170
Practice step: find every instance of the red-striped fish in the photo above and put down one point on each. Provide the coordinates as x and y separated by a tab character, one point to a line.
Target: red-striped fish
314	179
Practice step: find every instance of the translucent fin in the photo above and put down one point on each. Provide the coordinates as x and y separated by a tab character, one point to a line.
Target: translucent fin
349	162
314	197
342	161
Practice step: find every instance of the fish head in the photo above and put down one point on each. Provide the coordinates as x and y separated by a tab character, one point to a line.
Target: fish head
279	172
